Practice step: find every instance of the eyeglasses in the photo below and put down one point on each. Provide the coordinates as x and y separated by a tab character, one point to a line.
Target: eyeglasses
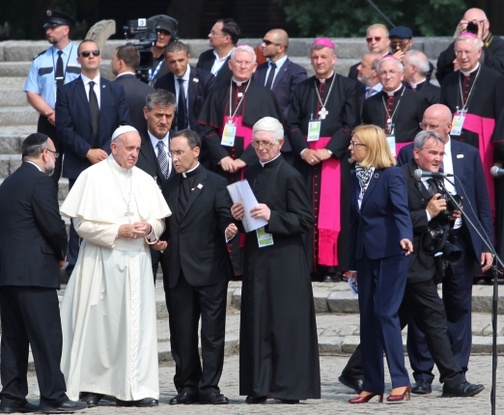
56	154
375	38
356	144
391	72
427	126
265	144
269	42
87	53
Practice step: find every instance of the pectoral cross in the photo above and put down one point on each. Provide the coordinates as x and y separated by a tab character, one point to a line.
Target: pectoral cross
323	113
128	213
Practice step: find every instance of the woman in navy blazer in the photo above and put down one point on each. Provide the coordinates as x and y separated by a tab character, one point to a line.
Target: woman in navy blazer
380	240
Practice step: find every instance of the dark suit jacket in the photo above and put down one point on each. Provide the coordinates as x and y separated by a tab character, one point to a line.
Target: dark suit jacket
32	234
135	91
469	183
73	121
383	219
147	160
289	76
196	241
206	61
200	83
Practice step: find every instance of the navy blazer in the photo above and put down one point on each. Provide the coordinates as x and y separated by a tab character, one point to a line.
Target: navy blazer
200	83
73	121
196	240
32	234
206	61
289	76
383	219
469	183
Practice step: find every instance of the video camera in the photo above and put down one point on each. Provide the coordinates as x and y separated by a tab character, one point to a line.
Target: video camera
143	31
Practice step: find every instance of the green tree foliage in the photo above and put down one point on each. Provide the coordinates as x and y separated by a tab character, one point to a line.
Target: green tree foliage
350	18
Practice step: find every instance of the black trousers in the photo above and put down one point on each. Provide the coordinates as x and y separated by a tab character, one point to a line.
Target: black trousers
30	316
186	305
421	301
48	129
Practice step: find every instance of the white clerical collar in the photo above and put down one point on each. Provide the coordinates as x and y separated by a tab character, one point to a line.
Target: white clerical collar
115	166
394	91
323	81
472	71
269	161
414	85
184	175
240	83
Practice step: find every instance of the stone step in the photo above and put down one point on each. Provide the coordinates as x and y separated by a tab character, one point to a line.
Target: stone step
13	97
14	116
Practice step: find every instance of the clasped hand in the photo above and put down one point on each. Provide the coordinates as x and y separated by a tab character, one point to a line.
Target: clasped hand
134	230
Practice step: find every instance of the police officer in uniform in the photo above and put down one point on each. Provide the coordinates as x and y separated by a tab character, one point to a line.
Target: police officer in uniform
54	67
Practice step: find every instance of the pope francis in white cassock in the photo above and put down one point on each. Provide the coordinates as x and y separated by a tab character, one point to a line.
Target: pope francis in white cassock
108	312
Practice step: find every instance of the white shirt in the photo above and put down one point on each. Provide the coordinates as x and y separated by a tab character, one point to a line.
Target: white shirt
219	62
96	87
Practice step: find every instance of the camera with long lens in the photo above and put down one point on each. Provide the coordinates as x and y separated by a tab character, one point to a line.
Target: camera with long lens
472	27
143	35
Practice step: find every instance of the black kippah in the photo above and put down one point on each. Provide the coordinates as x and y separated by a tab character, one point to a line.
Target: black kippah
35	139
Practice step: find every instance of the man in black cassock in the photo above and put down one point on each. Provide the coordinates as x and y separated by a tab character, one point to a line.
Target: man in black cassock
279	361
472	95
327	106
397	109
227	116
493	46
416	69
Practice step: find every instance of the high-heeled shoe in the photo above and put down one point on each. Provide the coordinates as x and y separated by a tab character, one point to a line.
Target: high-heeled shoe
366	398
405	396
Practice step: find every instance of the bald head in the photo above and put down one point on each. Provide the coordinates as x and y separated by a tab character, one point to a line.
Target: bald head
478	17
438	117
275	44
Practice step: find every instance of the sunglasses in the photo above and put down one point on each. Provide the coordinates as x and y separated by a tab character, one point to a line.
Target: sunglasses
269	42
375	38
87	53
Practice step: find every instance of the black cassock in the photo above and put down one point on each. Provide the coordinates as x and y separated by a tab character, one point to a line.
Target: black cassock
278	334
343	113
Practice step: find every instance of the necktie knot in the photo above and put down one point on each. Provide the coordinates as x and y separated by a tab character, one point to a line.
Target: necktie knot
91	84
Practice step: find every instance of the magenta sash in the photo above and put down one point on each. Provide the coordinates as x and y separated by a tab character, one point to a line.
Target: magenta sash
329	218
484	127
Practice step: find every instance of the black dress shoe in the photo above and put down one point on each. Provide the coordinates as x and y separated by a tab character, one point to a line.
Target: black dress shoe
23	408
91	399
352	383
254	400
464	389
64	406
213	399
276	401
140	403
421	387
184	398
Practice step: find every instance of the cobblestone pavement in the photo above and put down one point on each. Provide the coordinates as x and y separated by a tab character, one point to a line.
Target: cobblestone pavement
334	396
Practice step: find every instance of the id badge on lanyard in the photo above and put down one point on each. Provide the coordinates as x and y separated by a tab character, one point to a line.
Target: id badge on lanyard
229	134
458	122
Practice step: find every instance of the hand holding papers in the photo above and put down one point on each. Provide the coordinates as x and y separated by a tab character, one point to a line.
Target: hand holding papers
241	192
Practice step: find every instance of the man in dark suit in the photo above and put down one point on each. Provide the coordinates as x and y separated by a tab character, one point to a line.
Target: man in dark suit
421	300
464	162
154	157
31	227
279	74
88	111
190	86
416	69
198	269
124	61
223	37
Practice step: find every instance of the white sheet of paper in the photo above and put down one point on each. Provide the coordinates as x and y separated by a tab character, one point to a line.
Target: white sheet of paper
241	192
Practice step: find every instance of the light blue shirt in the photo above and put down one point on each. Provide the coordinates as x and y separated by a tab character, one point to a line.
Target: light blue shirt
41	78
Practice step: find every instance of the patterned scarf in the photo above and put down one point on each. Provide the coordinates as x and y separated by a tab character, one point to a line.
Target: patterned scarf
363	175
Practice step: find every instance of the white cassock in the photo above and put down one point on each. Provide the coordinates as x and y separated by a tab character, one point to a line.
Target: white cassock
108	313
